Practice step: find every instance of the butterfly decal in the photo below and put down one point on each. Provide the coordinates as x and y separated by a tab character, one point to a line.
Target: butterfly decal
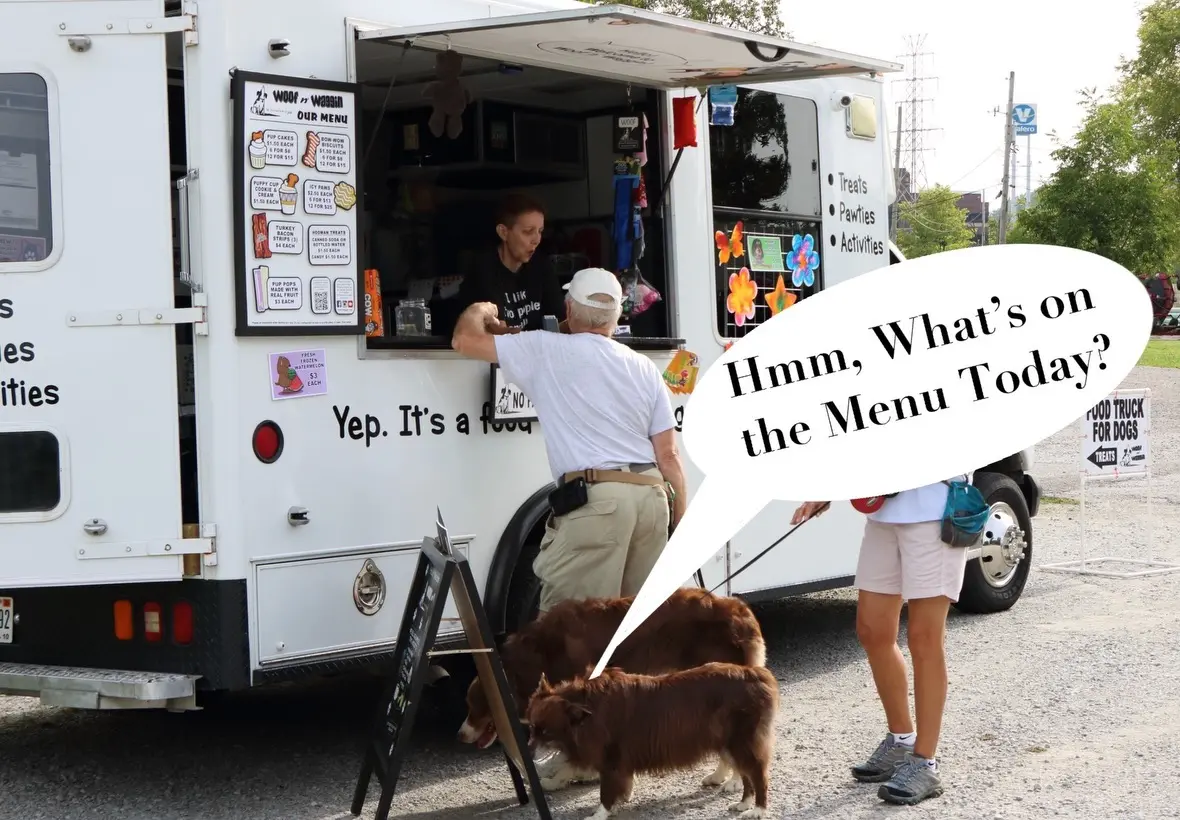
731	247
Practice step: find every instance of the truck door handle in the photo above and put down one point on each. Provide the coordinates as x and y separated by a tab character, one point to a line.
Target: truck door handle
297	516
95	526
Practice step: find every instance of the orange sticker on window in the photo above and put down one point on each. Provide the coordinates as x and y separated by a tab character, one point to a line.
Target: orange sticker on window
681	373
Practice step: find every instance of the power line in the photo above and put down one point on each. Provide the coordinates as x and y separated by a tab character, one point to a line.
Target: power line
911	130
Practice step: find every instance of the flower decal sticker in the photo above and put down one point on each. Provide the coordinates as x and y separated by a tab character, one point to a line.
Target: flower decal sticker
780	298
742	292
802	261
729	247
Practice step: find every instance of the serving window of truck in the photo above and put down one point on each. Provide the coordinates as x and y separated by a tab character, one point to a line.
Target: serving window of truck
566	107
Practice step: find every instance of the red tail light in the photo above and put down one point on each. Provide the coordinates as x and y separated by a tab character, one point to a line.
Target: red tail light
153	627
124	629
182	622
267	442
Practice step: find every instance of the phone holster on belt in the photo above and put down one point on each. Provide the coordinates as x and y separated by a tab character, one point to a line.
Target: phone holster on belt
569	496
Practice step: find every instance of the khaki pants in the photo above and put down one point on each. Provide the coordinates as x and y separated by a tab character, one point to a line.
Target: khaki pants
606	548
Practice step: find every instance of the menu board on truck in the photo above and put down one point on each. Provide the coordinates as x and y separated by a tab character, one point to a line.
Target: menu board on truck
295	206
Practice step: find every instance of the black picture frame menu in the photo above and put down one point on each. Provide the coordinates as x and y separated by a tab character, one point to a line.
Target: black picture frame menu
305	172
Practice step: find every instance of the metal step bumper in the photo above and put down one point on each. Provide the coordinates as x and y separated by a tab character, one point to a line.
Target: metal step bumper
82	688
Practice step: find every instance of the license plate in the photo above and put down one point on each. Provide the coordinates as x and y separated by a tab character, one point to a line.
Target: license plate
6	620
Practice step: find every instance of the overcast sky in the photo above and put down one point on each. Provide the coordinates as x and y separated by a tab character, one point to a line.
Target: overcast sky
1055	47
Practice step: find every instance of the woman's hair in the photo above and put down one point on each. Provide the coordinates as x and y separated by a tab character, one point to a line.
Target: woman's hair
595	318
515	205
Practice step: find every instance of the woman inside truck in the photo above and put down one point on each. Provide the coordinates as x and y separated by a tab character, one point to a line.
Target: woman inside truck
523	287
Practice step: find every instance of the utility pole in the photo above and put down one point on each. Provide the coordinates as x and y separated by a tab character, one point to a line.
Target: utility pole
1008	129
1028	171
983	214
896	180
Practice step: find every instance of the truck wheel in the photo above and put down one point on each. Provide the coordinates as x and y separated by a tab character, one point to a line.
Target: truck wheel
524	592
995	580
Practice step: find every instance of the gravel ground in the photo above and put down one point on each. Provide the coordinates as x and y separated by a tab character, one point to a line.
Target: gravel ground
1064	706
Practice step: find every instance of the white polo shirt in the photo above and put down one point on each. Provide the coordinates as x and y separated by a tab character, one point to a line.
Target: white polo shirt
598	402
915	506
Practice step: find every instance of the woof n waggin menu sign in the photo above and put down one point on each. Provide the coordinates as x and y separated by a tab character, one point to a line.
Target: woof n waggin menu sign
295	206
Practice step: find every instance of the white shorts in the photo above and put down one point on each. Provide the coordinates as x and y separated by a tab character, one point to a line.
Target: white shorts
909	560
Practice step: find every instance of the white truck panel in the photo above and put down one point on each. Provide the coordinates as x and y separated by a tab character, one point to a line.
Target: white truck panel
112	261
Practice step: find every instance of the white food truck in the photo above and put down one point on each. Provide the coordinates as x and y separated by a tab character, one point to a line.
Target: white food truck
231	235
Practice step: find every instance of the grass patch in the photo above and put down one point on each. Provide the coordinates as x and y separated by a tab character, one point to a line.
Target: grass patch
1161	354
1053	499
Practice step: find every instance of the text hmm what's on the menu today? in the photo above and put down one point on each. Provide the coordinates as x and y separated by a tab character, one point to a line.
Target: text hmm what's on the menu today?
986	351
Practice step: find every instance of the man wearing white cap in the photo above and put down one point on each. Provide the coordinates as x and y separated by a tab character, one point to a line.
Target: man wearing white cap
609	433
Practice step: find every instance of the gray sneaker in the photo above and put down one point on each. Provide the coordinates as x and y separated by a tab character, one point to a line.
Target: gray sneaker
912	782
880	765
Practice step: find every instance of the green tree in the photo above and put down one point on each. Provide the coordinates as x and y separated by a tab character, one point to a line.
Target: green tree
760	16
1151	81
933	224
1016	233
1110	195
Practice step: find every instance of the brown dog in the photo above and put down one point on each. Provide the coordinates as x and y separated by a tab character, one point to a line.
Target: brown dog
621	724
692	627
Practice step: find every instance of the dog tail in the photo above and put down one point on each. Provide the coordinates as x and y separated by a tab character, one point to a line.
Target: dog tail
749	634
755	649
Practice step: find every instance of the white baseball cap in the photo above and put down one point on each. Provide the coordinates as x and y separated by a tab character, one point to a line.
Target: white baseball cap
589	281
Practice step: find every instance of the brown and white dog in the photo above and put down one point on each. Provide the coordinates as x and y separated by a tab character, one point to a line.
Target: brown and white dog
622	724
690	628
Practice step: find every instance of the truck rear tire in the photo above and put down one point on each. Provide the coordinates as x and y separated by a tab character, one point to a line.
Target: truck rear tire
995	580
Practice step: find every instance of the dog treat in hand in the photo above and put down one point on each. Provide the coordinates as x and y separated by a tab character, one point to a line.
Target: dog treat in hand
313	142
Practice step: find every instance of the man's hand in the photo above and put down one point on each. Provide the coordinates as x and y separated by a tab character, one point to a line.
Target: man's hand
809	509
498	327
679	505
475	329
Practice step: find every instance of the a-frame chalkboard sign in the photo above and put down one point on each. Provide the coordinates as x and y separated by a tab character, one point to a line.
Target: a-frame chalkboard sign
441	571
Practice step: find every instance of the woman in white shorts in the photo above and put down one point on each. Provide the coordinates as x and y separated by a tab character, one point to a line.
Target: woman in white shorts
904	560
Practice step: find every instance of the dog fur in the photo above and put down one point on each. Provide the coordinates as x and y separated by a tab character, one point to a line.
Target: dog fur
622	724
690	628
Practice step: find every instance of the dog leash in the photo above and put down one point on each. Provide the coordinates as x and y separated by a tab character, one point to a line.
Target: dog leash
750	563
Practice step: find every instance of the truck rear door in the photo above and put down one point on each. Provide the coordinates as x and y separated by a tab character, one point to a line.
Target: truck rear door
89	461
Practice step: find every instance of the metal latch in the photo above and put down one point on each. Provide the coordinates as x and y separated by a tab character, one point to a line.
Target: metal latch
186	22
139	549
195	316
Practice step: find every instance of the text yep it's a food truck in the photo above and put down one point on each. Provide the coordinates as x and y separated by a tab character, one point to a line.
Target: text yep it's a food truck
231	236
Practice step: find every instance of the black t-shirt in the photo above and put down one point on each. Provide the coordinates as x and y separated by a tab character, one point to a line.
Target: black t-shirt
524	297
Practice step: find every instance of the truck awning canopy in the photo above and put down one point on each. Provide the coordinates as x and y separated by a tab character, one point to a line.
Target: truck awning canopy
630	45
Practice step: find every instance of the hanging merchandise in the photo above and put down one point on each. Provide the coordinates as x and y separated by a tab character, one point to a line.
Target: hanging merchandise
623	228
641	154
638	293
684	123
722	99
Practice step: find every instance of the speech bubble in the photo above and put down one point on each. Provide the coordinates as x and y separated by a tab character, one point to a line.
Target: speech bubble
329	245
898	378
285	237
318	197
281	147
333	155
264	193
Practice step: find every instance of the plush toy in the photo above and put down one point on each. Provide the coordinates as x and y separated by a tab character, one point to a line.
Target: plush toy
448	95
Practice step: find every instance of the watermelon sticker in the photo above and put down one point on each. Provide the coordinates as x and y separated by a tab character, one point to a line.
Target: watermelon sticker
298	373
